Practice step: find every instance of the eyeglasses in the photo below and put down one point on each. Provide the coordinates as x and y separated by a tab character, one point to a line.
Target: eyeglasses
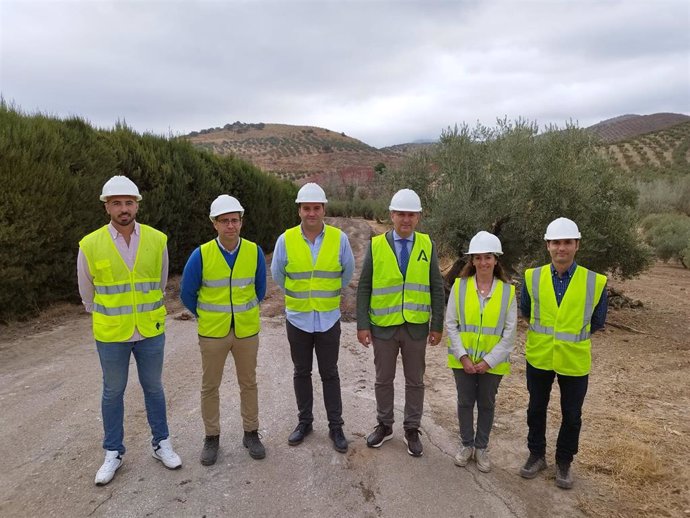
229	221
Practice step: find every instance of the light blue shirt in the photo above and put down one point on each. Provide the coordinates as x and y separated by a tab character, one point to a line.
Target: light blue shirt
312	321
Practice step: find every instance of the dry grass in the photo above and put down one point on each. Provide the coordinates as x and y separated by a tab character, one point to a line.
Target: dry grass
639	466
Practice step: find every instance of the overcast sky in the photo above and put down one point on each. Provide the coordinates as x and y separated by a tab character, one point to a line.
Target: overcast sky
383	72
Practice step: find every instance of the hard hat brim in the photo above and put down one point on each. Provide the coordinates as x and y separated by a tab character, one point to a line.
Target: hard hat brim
104	197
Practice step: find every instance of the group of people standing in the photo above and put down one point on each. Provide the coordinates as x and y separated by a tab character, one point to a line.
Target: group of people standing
122	271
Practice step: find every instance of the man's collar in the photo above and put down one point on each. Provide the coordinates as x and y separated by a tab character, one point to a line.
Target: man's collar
323	231
569	272
114	232
229	251
396	237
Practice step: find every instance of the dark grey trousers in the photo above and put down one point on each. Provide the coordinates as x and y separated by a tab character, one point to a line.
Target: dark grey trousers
479	389
326	345
413	354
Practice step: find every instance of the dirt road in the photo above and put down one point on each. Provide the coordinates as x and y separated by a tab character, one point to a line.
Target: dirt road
633	458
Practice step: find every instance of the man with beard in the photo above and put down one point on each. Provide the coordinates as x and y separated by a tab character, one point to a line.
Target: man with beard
122	270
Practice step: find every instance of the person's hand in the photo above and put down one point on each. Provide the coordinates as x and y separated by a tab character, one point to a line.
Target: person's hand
364	337
435	337
467	365
481	367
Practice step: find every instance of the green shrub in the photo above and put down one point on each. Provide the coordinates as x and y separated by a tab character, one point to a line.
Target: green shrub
52	172
664	194
669	236
368	208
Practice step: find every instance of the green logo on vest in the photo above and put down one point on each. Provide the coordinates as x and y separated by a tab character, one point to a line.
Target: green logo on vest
422	256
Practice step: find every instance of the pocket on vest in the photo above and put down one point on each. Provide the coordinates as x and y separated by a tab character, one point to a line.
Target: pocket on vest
158	317
104	271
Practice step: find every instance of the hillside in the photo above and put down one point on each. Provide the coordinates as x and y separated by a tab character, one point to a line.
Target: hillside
662	152
297	153
626	127
646	145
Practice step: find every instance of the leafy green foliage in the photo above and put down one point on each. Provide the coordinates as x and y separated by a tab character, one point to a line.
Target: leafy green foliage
52	172
512	181
669	236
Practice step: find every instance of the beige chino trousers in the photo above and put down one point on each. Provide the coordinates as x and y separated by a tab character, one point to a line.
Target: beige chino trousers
214	352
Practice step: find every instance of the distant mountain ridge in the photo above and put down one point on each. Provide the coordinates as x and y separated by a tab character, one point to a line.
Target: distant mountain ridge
309	153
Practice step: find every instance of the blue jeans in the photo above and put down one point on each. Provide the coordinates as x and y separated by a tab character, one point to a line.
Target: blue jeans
114	356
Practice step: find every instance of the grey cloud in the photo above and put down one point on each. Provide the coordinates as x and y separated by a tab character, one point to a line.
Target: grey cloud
383	72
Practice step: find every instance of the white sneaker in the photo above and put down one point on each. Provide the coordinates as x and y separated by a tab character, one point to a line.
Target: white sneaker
164	453
464	455
481	457
113	460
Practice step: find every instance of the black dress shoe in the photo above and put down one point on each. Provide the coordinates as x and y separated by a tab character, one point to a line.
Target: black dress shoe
299	434
339	440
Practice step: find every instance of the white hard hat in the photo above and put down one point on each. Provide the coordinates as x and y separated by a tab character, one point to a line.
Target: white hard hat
406	200
562	228
311	193
224	204
485	243
120	186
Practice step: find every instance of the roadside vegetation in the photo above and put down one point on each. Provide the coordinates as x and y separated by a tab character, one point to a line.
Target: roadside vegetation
52	172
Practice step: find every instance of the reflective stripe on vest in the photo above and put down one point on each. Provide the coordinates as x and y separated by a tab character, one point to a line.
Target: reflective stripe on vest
477	337
124	299
394	299
558	337
227	297
313	286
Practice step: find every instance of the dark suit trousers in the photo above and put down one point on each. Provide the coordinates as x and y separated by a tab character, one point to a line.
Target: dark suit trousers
302	348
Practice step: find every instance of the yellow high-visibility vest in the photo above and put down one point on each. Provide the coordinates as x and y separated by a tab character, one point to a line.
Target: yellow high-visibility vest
313	286
124	298
396	299
226	294
480	331
558	337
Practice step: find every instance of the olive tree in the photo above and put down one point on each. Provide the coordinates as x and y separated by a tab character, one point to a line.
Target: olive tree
512	180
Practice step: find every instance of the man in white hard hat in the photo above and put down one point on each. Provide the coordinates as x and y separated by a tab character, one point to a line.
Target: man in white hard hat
400	300
222	284
312	262
122	270
564	304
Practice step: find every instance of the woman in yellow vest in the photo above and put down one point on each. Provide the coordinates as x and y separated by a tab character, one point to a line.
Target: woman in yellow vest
481	322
